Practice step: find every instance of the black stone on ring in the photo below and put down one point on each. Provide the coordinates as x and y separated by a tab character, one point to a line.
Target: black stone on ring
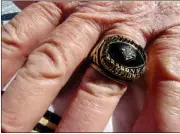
119	58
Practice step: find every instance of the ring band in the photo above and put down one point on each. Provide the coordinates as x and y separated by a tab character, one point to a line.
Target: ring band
48	123
119	58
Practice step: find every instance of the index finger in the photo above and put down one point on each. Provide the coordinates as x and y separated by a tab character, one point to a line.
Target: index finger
26	31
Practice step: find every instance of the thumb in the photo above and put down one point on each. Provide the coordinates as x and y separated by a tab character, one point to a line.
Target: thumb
162	107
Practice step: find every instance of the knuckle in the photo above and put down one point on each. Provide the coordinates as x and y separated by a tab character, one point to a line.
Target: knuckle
46	62
11	38
135	7
73	47
49	11
165	7
97	85
16	36
164	54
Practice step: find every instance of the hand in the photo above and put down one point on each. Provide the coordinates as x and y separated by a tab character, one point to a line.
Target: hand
47	41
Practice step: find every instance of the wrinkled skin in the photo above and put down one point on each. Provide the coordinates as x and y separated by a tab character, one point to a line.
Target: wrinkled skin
54	51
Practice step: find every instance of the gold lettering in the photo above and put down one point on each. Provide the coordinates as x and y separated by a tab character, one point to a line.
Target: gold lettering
133	76
121	72
127	69
117	69
125	74
132	71
122	68
138	70
128	75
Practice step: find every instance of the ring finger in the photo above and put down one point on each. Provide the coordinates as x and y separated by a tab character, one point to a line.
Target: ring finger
50	66
96	98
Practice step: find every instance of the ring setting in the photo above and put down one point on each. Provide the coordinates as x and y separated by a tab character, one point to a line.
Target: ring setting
119	58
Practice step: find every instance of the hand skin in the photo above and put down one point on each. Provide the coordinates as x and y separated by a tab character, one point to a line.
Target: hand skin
54	39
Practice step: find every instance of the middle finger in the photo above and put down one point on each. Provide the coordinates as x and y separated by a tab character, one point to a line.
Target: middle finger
45	73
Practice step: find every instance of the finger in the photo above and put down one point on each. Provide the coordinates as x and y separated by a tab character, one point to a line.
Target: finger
126	111
49	122
63	98
67	92
24	33
23	4
92	105
162	108
47	70
90	113
97	96
129	107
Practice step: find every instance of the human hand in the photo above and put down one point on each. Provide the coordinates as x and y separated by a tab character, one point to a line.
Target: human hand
55	38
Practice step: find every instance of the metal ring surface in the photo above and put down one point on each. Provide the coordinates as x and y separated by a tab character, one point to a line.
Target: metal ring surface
119	58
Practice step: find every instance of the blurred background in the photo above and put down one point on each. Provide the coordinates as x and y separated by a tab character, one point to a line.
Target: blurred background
9	10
